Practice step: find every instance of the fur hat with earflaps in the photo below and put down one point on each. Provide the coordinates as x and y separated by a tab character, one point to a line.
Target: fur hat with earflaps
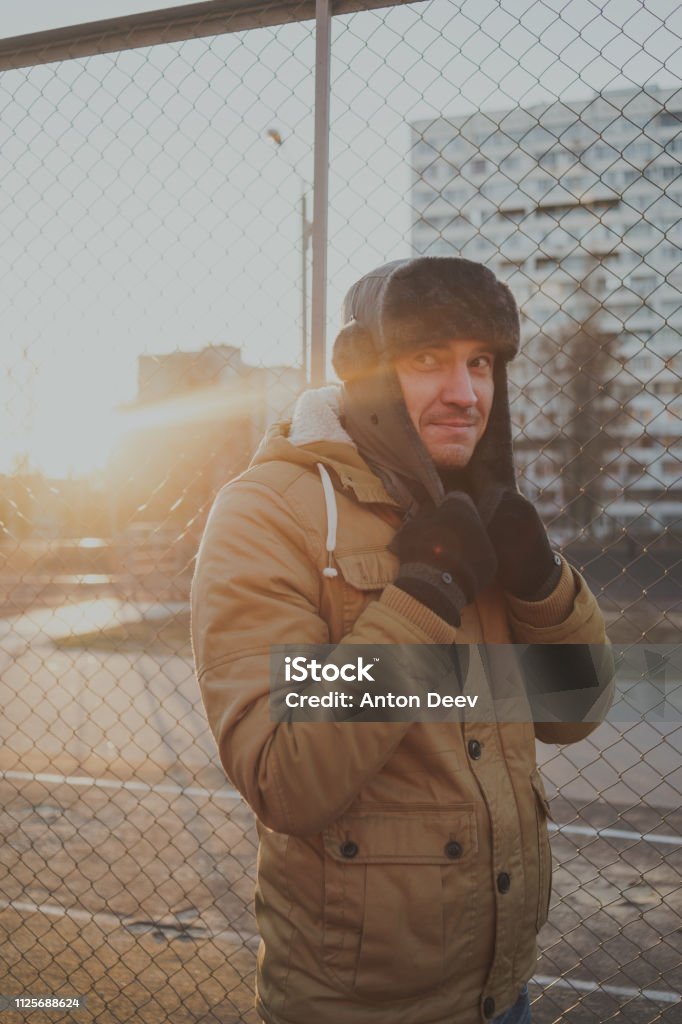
409	304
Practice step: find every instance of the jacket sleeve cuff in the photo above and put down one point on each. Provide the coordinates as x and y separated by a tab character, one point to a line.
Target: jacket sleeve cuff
437	630
552	610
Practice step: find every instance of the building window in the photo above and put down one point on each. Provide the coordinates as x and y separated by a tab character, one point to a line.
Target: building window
670	117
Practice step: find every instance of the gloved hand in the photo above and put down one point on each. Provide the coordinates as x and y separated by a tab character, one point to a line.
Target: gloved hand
446	556
527	566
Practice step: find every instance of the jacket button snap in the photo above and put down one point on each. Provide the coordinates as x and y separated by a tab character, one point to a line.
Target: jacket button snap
488	1006
453	850
349	849
474	748
503	882
446	577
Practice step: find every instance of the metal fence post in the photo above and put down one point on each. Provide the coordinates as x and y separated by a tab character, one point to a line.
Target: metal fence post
321	192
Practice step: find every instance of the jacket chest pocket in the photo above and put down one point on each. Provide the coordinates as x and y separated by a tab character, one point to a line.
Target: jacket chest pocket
399	898
364	574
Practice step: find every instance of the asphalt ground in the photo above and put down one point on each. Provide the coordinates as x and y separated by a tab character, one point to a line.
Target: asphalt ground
127	865
141	901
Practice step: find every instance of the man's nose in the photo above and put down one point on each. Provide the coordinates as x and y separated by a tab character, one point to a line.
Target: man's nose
457	387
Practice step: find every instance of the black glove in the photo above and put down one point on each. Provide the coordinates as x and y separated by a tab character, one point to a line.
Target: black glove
445	555
527	566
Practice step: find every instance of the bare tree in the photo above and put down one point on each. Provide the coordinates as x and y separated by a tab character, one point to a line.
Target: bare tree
579	409
588	435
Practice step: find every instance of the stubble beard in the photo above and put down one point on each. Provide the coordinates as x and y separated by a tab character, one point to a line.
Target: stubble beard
455	456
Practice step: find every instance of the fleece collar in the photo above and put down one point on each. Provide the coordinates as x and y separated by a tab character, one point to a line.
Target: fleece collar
317	417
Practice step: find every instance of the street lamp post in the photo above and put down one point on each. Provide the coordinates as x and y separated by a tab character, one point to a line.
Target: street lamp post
306	231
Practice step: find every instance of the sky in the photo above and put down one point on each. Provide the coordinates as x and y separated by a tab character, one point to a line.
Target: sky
144	209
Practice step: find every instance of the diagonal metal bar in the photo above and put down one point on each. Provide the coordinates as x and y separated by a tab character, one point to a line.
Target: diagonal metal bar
167	25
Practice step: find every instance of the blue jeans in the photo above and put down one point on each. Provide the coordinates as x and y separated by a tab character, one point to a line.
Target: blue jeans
519	1013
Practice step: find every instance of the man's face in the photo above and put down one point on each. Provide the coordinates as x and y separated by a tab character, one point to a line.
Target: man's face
448	390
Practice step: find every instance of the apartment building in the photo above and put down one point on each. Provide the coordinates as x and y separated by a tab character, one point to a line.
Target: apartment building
577	206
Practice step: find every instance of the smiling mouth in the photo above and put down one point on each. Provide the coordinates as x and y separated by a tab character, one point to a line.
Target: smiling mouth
451	425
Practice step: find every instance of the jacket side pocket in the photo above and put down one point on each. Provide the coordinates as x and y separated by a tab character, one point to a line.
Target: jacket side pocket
392	877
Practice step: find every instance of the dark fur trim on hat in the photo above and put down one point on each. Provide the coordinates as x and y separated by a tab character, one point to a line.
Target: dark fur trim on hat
354	353
444	298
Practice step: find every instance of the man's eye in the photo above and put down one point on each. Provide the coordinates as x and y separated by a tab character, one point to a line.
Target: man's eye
483	361
425	360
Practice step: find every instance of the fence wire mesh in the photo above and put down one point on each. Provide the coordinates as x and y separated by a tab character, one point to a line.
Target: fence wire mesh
156	206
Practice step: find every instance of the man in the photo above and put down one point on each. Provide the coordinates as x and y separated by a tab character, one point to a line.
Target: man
404	867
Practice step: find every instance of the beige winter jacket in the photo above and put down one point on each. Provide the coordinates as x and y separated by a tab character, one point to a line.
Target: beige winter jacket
401	932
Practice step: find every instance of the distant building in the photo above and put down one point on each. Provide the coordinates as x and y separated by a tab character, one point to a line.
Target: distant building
194	424
577	206
177	373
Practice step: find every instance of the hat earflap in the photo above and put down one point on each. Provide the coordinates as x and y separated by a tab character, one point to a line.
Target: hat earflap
354	353
491	467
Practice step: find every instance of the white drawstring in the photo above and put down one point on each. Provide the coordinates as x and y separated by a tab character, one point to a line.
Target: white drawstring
332	518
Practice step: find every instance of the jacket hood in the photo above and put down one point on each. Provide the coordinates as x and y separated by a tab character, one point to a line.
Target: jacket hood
320	432
377	419
316	434
316	438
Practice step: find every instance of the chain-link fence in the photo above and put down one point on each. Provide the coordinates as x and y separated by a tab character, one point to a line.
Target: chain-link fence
165	278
